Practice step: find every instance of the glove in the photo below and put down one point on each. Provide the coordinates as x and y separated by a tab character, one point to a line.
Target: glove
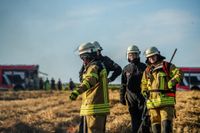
123	101
171	84
74	95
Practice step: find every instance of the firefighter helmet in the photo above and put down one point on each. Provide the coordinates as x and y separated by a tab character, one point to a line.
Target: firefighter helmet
133	49
87	48
97	45
151	51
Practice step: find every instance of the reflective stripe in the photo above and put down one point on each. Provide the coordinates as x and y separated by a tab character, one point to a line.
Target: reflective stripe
103	74
76	92
94	108
91	75
162	81
153	103
93	111
85	82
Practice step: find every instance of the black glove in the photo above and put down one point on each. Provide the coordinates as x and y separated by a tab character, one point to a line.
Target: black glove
122	100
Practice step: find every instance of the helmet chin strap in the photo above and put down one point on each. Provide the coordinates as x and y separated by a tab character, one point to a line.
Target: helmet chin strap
136	60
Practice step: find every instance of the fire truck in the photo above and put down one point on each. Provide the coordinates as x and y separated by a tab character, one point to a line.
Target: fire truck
191	79
17	76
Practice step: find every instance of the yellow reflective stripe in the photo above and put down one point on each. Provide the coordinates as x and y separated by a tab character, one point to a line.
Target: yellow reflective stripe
76	91
95	75
95	106
92	75
103	74
86	83
90	112
162	80
152	103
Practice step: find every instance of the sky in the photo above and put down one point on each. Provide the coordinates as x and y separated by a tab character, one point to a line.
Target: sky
47	32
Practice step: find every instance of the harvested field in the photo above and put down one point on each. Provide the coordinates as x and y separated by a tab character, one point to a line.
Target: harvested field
45	112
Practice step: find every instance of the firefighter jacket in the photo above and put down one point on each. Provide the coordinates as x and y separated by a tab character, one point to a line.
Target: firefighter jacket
155	83
94	90
130	83
110	65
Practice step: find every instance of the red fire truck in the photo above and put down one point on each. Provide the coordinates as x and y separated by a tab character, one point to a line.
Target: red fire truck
191	79
17	76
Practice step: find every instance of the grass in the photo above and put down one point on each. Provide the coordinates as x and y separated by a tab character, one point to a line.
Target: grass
46	112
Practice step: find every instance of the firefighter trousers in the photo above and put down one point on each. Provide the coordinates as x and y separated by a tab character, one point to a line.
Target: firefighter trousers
160	115
93	124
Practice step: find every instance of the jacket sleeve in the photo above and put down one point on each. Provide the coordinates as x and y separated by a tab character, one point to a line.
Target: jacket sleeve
112	66
90	79
175	74
123	85
144	81
81	73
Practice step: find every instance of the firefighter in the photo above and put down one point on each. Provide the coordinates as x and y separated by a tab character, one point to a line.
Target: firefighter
109	64
158	85
130	86
94	89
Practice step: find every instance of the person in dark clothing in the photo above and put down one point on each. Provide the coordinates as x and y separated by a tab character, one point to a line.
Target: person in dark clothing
59	84
71	84
130	91
41	84
109	64
53	86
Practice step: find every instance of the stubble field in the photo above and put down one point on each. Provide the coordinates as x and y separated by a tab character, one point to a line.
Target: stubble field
46	112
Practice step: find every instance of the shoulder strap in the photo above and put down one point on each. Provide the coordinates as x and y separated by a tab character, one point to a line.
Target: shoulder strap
166	68
148	72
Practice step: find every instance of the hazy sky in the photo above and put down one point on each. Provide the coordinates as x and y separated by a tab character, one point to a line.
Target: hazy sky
46	32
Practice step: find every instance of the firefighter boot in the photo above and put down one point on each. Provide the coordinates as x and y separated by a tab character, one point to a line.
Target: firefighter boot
166	126
156	128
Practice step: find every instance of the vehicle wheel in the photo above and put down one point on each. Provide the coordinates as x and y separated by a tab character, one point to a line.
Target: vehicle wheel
18	87
195	88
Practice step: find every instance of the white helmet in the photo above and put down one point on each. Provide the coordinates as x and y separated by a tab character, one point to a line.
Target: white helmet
151	51
87	48
133	49
97	45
